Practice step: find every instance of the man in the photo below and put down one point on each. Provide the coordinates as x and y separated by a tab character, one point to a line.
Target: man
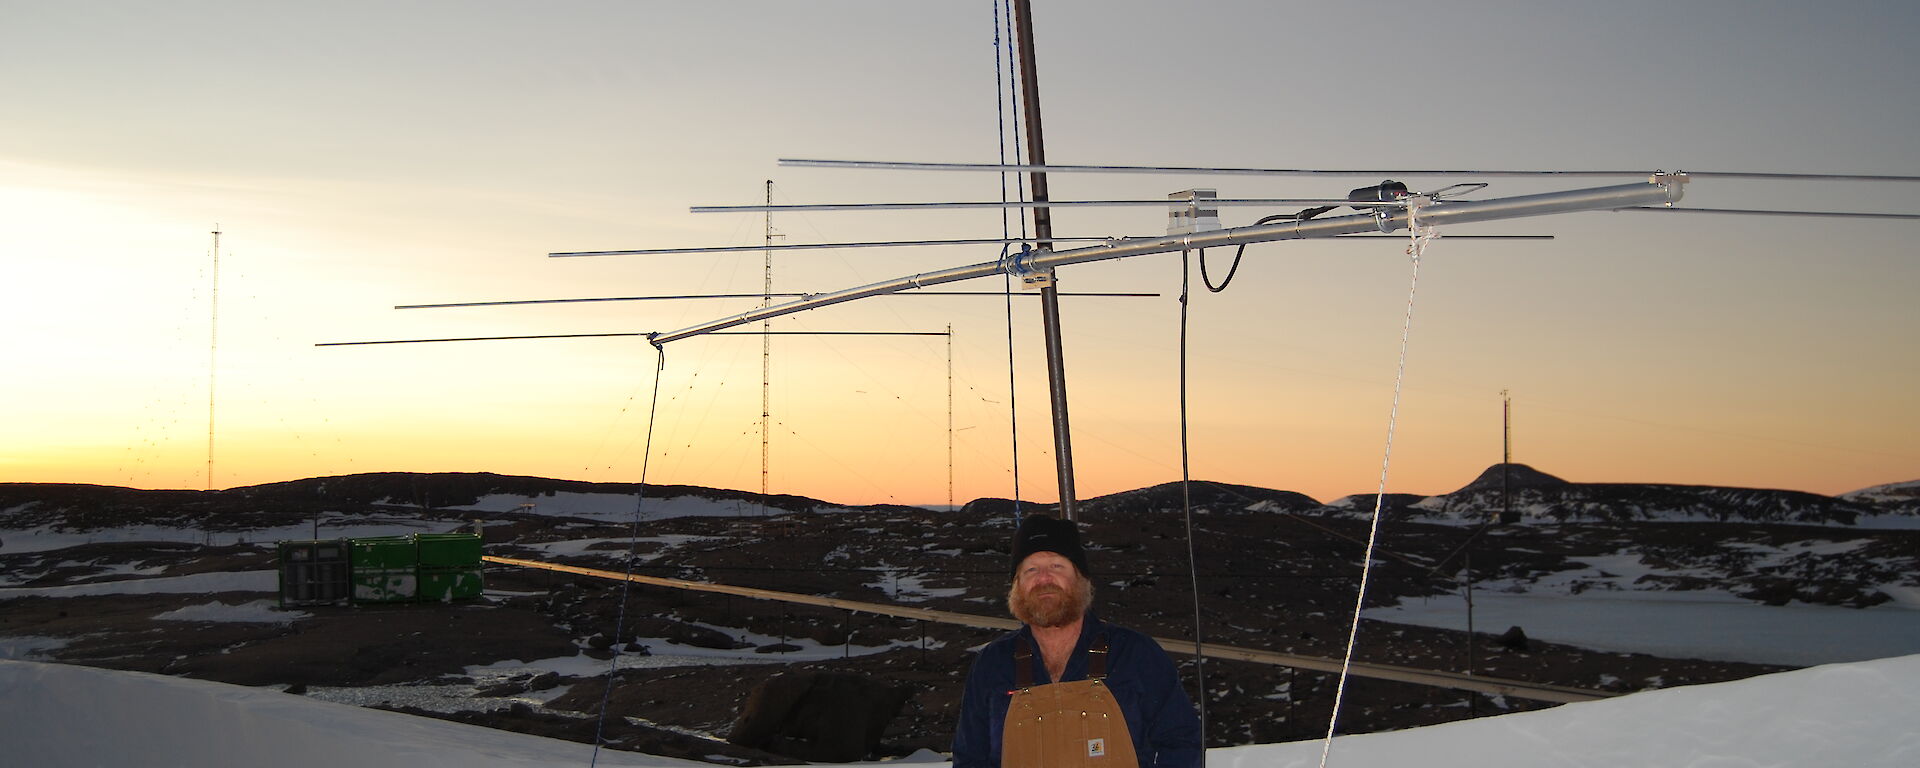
1067	689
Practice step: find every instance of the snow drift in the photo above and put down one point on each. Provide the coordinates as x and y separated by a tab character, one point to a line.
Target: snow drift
1857	715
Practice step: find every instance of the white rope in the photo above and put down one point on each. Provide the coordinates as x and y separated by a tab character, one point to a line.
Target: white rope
633	555
1421	236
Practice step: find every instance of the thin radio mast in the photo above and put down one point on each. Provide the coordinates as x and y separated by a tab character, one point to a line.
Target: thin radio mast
766	356
1506	428
1506	457
949	417
213	351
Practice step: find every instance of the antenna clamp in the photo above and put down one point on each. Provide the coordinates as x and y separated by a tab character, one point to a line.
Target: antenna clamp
1020	265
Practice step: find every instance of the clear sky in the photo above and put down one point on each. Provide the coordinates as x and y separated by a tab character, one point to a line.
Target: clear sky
360	155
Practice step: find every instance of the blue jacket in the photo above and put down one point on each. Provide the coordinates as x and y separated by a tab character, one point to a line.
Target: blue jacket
1165	730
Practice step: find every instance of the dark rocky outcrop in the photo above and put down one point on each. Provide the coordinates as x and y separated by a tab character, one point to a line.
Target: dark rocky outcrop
818	716
1514	639
685	634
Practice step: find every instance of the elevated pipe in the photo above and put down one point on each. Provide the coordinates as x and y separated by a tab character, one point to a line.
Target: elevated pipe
1465	682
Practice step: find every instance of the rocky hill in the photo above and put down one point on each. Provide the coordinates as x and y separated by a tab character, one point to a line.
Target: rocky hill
1538	496
445	495
1901	498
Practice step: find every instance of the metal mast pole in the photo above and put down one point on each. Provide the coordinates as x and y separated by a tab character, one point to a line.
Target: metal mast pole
766	356
1506	456
1043	230
213	352
950	416
1506	428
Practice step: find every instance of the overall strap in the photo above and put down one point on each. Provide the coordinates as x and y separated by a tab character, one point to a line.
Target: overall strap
1097	658
1022	663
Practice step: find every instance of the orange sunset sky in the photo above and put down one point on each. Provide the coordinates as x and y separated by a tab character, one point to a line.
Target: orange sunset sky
361	155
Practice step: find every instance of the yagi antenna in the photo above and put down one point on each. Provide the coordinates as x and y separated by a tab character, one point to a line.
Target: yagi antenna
1660	189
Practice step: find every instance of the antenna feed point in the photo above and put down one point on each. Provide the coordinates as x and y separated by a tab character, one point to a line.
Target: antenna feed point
1673	181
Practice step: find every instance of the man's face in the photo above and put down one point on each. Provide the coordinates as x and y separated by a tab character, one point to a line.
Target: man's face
1048	591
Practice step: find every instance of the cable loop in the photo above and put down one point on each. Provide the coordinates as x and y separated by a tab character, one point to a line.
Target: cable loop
1207	279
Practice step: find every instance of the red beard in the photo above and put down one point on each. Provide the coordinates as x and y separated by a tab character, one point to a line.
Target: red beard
1050	606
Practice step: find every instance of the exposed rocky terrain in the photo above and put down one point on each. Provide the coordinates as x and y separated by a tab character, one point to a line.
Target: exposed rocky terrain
1274	570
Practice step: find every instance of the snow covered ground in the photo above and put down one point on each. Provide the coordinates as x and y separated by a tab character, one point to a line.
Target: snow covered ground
44	538
59	716
1855	715
1697	625
1618	603
254	612
615	548
199	583
902	586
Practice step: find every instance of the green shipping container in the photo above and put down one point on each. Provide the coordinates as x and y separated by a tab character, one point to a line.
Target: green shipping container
444	550
385	570
444	583
384	552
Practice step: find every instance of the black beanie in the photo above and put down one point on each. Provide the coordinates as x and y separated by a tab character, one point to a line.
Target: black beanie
1040	533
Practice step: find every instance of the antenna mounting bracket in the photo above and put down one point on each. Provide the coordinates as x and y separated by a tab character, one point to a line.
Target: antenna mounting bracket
1020	265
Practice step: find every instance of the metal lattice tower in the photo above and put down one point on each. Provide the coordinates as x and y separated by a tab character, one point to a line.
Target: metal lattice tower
949	416
766	356
213	351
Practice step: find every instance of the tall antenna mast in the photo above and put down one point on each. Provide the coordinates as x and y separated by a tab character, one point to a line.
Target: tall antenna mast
1506	458
1043	231
1506	428
213	351
766	356
949	417
1506	453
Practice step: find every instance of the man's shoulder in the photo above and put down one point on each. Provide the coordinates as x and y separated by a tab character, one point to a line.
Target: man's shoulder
992	665
1001	646
1119	635
1124	642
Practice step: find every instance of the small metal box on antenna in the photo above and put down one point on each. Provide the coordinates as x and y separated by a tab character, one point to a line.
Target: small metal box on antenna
1034	281
1191	210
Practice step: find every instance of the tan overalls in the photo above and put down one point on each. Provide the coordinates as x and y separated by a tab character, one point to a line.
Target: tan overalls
1064	725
